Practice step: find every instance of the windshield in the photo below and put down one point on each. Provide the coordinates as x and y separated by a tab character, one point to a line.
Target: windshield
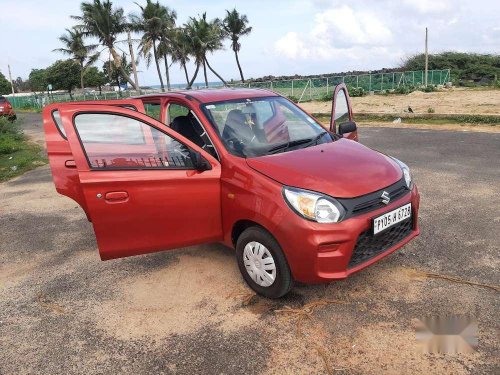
263	126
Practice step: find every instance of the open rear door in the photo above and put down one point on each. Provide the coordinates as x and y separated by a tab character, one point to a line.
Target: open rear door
139	181
62	164
342	111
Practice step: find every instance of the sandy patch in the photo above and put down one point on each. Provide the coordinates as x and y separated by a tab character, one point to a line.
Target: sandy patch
456	101
195	292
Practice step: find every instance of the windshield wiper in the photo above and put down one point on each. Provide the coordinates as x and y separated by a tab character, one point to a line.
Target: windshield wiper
316	139
286	145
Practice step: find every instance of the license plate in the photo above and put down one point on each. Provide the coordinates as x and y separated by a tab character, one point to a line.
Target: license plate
387	220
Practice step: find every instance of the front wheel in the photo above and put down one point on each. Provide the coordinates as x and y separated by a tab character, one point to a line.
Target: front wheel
263	264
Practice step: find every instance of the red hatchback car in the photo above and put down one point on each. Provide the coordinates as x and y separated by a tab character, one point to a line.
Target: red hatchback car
6	109
244	167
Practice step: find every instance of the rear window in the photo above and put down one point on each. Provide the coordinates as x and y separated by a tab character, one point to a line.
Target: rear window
57	120
2	99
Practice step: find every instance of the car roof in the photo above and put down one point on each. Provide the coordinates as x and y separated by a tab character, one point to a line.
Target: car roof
216	95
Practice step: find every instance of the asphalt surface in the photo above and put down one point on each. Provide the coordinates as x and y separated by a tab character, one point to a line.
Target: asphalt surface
187	311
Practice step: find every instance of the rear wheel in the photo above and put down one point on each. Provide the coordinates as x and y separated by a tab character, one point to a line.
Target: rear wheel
263	264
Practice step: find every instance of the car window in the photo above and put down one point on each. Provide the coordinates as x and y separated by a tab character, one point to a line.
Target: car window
2	99
57	120
341	109
257	126
153	110
176	110
112	141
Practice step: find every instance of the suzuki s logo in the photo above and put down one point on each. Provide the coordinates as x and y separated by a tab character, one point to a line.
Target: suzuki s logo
385	197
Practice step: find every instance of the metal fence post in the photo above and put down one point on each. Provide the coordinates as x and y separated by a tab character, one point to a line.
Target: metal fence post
357	82
370	85
393	79
382	82
326	85
292	87
271	85
310	90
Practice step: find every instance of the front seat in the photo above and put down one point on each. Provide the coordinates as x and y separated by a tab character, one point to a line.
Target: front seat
184	125
236	127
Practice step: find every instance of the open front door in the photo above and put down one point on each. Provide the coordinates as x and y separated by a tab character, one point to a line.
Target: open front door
342	112
141	182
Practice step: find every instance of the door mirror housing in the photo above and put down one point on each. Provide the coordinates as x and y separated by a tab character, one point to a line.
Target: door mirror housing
199	162
347	127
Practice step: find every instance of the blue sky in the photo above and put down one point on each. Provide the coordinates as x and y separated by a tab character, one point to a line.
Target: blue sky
289	37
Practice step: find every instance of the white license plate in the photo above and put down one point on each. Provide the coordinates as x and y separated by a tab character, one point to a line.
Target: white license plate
387	220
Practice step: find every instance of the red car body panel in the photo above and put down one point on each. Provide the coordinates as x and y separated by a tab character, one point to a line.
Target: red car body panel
6	108
140	211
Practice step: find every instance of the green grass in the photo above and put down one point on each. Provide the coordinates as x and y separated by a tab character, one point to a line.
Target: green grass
430	118
17	155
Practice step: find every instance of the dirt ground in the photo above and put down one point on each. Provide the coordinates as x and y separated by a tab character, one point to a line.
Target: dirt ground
63	311
449	101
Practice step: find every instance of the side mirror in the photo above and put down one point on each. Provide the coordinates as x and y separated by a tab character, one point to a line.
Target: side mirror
199	162
347	127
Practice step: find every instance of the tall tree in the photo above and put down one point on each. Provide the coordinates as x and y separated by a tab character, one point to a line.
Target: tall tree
4	85
154	21
101	20
165	49
235	25
204	37
38	80
76	48
64	74
95	77
132	58
180	50
115	75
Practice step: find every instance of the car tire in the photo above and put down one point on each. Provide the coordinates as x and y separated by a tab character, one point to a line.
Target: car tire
254	248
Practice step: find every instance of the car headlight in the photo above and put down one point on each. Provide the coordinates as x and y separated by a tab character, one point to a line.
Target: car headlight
406	172
314	206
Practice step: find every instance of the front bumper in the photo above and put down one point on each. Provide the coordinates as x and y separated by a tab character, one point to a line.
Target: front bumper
323	252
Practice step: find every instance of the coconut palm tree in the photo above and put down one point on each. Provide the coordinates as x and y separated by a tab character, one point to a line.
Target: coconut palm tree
204	37
76	48
180	50
101	20
154	22
235	25
165	47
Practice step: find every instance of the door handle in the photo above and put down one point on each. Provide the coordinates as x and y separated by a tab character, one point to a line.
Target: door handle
70	164
116	196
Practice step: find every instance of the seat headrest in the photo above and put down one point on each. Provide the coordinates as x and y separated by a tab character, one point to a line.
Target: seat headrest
235	118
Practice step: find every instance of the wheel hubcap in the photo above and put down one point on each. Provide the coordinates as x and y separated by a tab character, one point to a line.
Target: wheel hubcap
259	263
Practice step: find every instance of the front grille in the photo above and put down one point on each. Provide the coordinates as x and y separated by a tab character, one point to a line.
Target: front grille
369	246
373	201
373	204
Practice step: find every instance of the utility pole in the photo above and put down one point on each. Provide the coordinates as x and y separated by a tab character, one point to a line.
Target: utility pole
426	56
11	83
134	68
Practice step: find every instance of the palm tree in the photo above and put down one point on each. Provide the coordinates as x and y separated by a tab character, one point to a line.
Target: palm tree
204	37
75	47
180	49
99	19
165	46
154	22
235	26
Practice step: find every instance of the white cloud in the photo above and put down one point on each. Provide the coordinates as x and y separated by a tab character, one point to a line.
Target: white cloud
337	29
429	6
292	46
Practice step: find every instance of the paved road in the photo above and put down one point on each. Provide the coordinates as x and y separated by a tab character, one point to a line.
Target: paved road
64	311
